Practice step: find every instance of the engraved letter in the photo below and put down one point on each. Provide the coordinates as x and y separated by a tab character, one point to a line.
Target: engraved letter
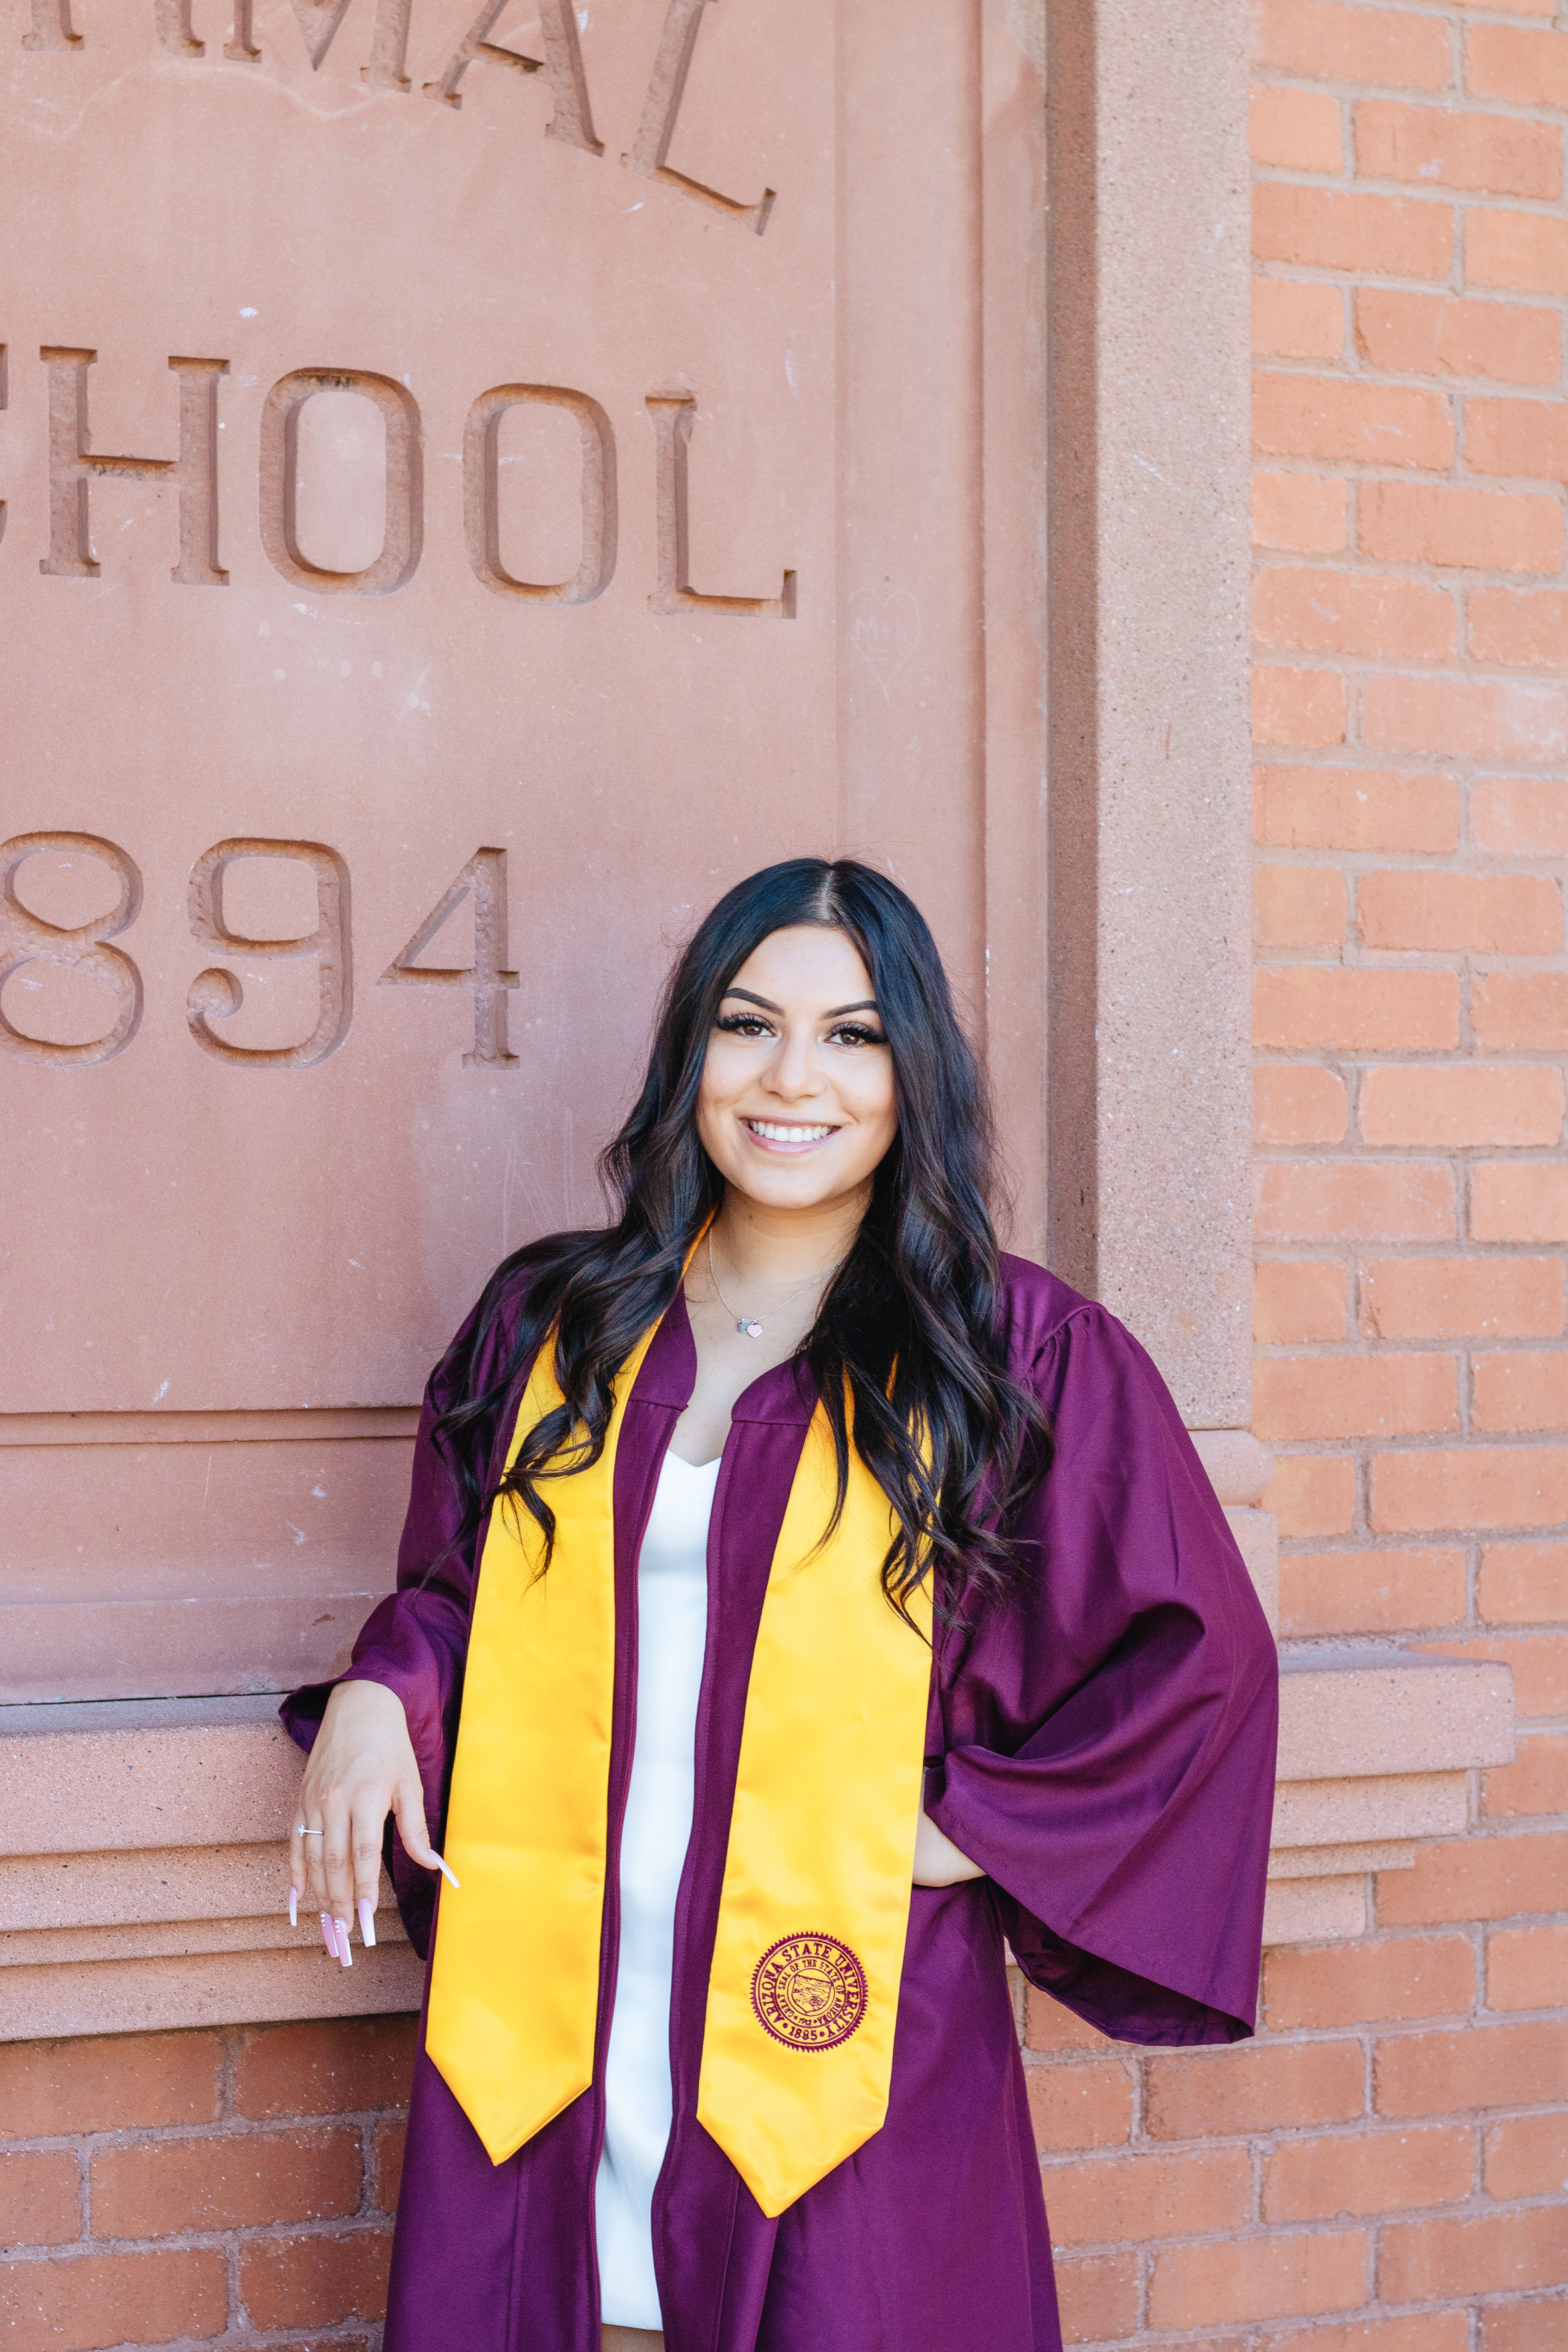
26	937
172	21
388	47
661	109
485	875
572	119
51	26
403	535
673	418
194	472
319	20
239	48
217	994
476	43
481	503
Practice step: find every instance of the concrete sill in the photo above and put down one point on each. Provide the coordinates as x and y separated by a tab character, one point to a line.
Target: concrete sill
1375	1747
143	1881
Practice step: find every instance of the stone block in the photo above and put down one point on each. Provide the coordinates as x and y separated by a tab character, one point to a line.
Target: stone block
1362	1715
1315	1910
1392	1805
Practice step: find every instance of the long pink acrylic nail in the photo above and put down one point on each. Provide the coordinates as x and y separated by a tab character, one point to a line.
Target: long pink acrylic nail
344	1954
367	1923
328	1938
293	1907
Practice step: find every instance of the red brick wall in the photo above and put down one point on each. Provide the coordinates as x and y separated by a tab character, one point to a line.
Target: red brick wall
1386	2167
1385	2170
1382	2170
233	2188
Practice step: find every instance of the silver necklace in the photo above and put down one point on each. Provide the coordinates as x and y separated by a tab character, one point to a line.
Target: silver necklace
752	1324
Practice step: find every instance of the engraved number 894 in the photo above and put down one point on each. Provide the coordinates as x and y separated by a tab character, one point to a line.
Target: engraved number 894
216	995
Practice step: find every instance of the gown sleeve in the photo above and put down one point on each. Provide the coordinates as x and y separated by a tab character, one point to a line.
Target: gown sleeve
416	1642
1111	1727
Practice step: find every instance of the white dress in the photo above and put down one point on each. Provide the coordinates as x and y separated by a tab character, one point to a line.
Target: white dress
672	1626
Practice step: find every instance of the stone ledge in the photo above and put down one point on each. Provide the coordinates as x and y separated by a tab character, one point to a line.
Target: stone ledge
143	1877
117	1774
1256	1536
144	1883
1315	1910
1356	1714
263	1988
156	1940
1374	1752
1349	1807
1240	1465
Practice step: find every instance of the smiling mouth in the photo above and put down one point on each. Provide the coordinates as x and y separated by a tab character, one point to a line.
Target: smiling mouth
791	1137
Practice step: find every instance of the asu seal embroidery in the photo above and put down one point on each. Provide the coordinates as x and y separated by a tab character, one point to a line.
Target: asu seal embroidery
809	1992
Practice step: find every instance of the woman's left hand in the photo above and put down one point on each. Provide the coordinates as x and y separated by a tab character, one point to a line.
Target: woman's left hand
938	1862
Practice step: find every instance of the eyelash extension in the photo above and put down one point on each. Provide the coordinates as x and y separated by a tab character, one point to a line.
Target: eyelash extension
854	1031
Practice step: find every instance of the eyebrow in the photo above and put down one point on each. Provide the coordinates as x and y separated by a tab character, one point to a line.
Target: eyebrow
864	1004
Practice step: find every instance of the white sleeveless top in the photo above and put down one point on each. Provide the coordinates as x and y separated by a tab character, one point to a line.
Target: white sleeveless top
672	1627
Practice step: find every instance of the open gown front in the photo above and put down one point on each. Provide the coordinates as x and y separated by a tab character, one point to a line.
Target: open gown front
1101	1743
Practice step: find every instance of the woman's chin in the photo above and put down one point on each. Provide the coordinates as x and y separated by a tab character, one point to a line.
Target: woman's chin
787	1184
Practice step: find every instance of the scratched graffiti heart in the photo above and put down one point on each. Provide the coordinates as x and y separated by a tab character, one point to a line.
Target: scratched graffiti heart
884	630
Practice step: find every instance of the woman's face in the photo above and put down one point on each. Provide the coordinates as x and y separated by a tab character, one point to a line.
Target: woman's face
797	1105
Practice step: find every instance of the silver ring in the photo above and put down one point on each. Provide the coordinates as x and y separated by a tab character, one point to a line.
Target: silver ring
300	1830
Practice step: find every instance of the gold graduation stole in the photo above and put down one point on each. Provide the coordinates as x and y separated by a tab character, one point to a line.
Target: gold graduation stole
802	1995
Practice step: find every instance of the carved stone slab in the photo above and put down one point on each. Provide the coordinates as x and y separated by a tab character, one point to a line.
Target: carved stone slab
478	479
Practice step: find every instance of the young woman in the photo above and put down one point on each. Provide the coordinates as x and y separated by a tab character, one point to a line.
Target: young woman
799	1603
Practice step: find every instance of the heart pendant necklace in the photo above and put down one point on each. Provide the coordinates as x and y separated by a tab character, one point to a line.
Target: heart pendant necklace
752	1324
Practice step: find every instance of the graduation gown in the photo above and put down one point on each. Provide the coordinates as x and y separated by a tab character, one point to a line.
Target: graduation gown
1101	1743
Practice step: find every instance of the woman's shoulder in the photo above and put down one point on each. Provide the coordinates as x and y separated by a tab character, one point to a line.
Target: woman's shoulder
485	1343
1040	1311
514	1280
1080	1360
1037	1302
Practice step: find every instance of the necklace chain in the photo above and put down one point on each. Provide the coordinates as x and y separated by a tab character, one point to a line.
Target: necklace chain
751	1325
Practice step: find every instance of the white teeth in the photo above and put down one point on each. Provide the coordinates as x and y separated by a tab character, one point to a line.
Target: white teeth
772	1133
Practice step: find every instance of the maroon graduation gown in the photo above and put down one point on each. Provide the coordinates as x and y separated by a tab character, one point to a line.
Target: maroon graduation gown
1102	1743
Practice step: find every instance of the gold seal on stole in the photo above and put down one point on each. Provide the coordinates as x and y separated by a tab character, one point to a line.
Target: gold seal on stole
809	1992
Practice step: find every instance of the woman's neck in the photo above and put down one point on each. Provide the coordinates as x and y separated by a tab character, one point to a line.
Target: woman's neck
770	1246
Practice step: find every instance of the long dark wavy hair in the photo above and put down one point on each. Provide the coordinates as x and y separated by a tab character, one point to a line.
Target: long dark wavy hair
910	1328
